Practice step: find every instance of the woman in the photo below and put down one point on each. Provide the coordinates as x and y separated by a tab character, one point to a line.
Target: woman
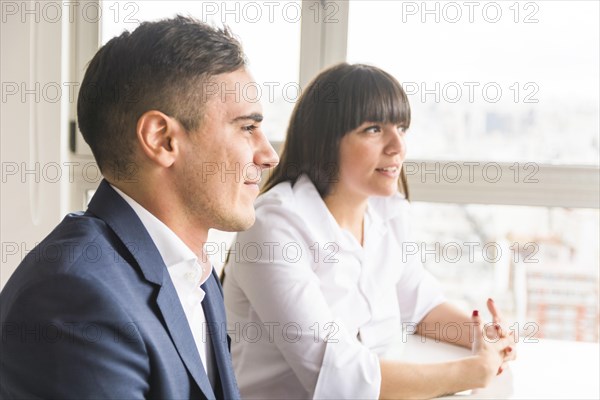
318	289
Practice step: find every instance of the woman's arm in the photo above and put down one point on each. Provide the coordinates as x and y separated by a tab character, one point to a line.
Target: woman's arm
443	322
404	380
418	381
447	323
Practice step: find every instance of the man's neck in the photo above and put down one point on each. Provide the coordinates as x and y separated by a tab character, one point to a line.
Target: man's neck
192	233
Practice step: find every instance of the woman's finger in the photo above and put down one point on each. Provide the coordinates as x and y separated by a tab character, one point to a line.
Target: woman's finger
477	339
510	352
496	318
510	348
502	368
491	332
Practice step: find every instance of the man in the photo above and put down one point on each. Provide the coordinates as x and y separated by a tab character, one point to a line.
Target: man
121	301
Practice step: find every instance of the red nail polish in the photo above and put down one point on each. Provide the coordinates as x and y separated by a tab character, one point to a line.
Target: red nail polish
508	349
490	299
475	313
497	327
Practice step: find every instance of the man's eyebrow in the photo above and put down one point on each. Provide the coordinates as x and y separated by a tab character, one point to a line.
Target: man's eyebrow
256	117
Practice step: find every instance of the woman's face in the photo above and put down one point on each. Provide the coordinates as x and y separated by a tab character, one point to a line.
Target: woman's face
371	157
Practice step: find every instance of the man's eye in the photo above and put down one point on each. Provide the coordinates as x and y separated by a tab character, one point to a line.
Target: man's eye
250	128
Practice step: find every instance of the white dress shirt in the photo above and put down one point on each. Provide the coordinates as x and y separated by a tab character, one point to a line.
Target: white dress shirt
186	274
310	311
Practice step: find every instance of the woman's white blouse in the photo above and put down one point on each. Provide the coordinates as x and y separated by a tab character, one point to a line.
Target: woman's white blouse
309	310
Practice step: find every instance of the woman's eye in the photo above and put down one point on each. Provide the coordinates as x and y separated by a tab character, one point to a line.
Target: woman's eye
250	128
401	129
373	129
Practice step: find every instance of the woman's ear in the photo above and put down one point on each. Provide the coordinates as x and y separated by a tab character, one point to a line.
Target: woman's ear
156	134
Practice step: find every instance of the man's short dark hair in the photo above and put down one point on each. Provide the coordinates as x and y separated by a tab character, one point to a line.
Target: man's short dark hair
160	66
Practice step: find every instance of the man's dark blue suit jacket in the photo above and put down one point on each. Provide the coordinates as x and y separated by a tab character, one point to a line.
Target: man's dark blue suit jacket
91	312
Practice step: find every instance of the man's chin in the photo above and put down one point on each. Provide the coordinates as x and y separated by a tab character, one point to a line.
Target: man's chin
240	222
246	223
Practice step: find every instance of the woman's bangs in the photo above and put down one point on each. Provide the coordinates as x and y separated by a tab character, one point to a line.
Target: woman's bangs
377	98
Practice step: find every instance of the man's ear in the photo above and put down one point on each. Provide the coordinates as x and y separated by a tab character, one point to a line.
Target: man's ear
157	134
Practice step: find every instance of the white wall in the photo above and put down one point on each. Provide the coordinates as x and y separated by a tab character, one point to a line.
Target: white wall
33	129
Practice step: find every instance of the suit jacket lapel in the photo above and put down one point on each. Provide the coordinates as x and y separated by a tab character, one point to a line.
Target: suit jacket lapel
179	328
215	313
109	206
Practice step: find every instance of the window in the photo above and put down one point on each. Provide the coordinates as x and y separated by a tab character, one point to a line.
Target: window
540	264
502	81
264	28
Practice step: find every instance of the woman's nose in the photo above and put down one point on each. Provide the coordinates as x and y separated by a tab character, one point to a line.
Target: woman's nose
395	143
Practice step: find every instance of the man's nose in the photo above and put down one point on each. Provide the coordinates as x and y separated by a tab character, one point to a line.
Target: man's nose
266	156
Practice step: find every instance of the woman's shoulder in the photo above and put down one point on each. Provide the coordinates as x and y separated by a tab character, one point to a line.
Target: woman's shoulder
275	210
278	225
280	195
290	210
297	197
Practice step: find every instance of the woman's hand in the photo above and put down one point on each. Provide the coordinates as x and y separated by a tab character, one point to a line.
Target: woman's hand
489	353
499	330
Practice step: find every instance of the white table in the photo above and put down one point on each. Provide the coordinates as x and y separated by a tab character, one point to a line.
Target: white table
548	369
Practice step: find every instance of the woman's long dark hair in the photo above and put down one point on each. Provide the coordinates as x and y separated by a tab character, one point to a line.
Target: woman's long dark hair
336	102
